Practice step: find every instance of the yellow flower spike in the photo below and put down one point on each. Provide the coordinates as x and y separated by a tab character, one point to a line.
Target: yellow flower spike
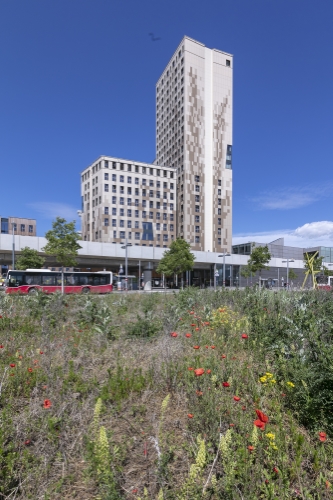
290	384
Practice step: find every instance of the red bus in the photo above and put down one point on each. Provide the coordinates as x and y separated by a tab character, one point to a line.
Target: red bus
32	281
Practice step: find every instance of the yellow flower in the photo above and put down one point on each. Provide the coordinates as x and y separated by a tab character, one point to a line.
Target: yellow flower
270	435
290	384
269	374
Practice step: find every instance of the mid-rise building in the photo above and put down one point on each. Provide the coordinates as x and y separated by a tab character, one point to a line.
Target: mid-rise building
21	226
194	135
128	200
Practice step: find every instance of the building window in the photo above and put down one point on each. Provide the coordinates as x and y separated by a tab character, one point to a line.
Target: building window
165	216
158	184
144	214
219	182
114	222
136	213
121	201
115	234
219	231
121	212
151	193
129	180
218	211
106	221
136	168
114	200
129	213
106	187
219	221
136	224
144	182
165	227
197	218
197	229
158	237
136	192
197	239
219	201
151	215
122	234
171	227
144	192
219	192
197	178
114	188
106	176
129	201
121	223
158	215
129	224
227	62
22	228
158	194
165	237
136	203
114	178
171	185
144	203
137	180
229	157
197	189
151	183
171	196
129	235
165	206
122	190
151	204
129	190
158	226
114	165
197	208
137	236
197	198
171	206
121	178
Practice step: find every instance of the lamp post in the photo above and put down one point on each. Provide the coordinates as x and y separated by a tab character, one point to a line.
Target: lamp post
13	250
224	255
288	260
126	262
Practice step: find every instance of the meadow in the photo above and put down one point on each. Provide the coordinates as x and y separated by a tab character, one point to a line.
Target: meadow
187	396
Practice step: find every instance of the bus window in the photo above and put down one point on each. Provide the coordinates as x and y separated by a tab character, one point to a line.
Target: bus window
96	281
103	280
72	279
33	279
48	279
15	279
83	279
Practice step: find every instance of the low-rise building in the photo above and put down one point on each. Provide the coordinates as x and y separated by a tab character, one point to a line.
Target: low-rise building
20	225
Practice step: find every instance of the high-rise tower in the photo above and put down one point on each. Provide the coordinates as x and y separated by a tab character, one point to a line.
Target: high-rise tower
194	134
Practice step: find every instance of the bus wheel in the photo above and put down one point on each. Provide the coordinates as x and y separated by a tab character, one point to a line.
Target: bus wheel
32	291
85	290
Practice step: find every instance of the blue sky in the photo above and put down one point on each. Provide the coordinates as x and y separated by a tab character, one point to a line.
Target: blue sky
78	80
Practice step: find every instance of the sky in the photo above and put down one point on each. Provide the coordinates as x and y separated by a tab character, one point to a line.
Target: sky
77	81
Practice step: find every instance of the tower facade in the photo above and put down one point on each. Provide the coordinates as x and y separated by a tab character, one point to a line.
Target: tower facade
194	136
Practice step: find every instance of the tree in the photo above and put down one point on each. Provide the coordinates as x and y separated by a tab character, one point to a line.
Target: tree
292	275
177	259
258	261
29	259
62	243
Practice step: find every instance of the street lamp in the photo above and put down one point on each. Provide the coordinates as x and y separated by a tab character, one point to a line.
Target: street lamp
224	255
126	262
13	250
288	260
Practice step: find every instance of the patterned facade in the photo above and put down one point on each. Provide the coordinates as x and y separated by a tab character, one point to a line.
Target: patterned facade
194	135
21	226
125	200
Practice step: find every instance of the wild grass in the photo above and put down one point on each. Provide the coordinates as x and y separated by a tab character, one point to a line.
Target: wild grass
100	397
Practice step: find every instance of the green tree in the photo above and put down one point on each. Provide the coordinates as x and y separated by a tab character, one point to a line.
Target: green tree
292	275
177	259
29	259
258	261
62	243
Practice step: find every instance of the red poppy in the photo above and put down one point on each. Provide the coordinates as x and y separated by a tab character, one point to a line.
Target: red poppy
47	404
41	352
225	384
275	470
244	336
191	312
264	418
199	393
206	346
236	398
1	346
232	425
190	415
260	424
27	442
30	370
188	335
12	365
223	356
193	324
199	372
322	436
174	334
212	346
197	329
208	371
250	448
190	368
243	408
196	347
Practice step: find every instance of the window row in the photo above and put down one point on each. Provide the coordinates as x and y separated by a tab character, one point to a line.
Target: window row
22	228
144	182
141	236
135	224
130	212
144	192
143	203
